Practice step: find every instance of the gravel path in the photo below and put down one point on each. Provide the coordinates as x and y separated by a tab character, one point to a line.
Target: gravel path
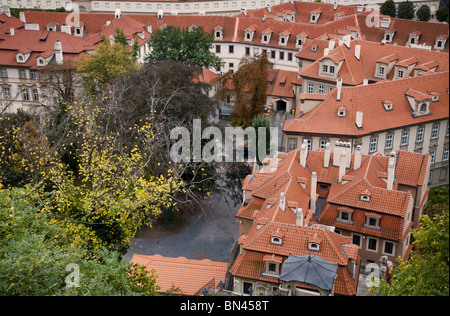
211	236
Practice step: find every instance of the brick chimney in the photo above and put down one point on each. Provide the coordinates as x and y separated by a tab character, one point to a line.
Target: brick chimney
357	161
312	204
391	171
303	154
342	166
299	218
326	156
282	202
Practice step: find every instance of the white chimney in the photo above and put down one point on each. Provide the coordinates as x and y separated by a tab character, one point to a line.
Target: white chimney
339	89
303	154
391	171
331	44
11	31
312	204
58	52
282	203
358	51
335	5
22	17
357	161
269	8
326	51
65	28
326	156
365	82
299	219
337	150
160	14
359	119
342	166
117	14
149	28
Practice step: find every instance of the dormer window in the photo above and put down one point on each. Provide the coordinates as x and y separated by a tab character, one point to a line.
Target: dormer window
345	216
277	237
313	246
440	42
341	111
414	38
387	105
272	263
41	61
434	96
284	38
218	32
249	33
314	17
276	240
365	196
372	221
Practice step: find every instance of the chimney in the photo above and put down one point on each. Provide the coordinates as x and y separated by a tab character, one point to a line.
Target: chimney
299	219
342	166
149	28
282	203
58	52
312	204
117	14
359	119
326	157
337	150
339	89
11	31
335	5
365	82
65	29
303	154
22	17
326	51
357	51
357	161
331	44
391	171
269	8
160	14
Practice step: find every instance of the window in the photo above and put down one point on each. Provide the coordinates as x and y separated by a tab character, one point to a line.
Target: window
372	244
419	137
430	177
435	131
345	217
433	155
313	246
25	95
276	241
231	49
22	74
331	69
373	144
272	54
381	70
281	55
308	143
445	154
33	74
218	49
289	57
389	140
325	68
4	73
248	287
356	240
388	248
35	95
404	138
310	87
7	92
292	144
447	131
321	89
247	51
272	267
323	143
372	222
400	74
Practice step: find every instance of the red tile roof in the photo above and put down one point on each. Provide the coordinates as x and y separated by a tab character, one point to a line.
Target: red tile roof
368	99
187	274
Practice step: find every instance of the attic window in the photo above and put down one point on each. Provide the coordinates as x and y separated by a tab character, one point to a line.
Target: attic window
314	48
387	105
313	246
364	197
434	96
276	240
341	111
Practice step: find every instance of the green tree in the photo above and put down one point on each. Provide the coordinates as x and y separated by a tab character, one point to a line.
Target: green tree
191	46
424	13
426	273
36	259
405	10
107	63
442	14
388	8
262	121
